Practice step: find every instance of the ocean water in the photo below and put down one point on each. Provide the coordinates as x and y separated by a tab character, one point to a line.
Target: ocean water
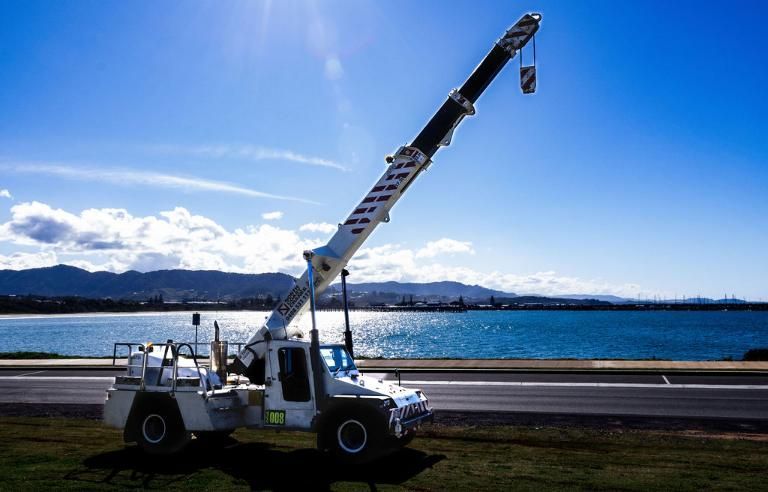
675	335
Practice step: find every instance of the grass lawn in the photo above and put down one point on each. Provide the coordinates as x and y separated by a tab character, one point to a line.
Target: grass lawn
38	453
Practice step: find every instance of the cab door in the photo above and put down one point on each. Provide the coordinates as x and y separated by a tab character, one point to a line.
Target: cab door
289	398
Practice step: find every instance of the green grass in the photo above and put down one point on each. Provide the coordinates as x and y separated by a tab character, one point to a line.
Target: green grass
38	453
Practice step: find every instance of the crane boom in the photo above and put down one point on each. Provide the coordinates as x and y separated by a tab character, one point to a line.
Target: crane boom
402	169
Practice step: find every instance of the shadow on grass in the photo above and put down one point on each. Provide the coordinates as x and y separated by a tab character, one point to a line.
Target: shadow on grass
261	466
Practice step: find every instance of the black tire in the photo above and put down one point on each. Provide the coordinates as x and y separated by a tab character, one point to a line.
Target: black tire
160	430
353	437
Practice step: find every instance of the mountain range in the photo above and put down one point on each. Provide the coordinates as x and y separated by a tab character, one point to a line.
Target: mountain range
211	285
437	289
64	280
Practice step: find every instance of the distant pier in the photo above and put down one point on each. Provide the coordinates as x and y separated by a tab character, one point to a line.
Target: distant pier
603	306
412	309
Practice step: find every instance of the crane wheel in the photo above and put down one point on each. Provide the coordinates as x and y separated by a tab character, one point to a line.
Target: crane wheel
353	437
160	430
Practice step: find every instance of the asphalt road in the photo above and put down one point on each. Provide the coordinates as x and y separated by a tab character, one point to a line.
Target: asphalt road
709	396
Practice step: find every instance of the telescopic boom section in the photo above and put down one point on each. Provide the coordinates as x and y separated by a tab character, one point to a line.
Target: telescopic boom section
402	169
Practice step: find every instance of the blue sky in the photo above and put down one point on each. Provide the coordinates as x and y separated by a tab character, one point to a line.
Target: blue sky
137	135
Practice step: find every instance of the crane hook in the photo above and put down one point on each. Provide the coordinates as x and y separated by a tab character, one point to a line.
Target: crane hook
528	72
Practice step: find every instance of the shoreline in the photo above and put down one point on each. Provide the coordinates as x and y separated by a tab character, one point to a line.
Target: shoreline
398	309
86	314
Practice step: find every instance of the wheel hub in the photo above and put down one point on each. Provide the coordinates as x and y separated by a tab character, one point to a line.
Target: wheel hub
352	436
154	428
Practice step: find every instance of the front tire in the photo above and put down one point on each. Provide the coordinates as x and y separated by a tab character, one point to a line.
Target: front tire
353	438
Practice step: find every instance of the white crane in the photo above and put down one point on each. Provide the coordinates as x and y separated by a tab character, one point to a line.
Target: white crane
279	380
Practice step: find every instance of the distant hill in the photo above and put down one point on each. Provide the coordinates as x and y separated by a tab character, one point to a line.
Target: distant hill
177	285
211	285
253	291
63	280
437	289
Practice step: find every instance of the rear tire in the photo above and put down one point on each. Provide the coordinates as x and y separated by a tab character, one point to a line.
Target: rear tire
160	431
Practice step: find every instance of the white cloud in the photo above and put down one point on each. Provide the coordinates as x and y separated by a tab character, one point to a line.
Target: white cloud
333	68
394	262
248	152
22	261
143	178
276	215
6	194
322	227
444	246
115	240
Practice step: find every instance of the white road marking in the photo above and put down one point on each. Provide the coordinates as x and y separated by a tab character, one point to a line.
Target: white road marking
586	385
665	379
27	374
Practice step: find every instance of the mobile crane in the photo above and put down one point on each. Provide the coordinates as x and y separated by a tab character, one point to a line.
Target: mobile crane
278	379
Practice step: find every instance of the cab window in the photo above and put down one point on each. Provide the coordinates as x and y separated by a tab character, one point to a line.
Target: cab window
293	374
337	359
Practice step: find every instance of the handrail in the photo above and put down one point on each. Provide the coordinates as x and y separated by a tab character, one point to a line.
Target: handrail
168	345
175	348
143	384
239	346
140	347
130	345
175	371
203	381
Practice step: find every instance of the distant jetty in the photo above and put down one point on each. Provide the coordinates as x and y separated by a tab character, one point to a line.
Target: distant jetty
563	307
629	307
413	309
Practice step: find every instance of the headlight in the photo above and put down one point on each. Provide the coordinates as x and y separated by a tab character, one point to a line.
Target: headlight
388	403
